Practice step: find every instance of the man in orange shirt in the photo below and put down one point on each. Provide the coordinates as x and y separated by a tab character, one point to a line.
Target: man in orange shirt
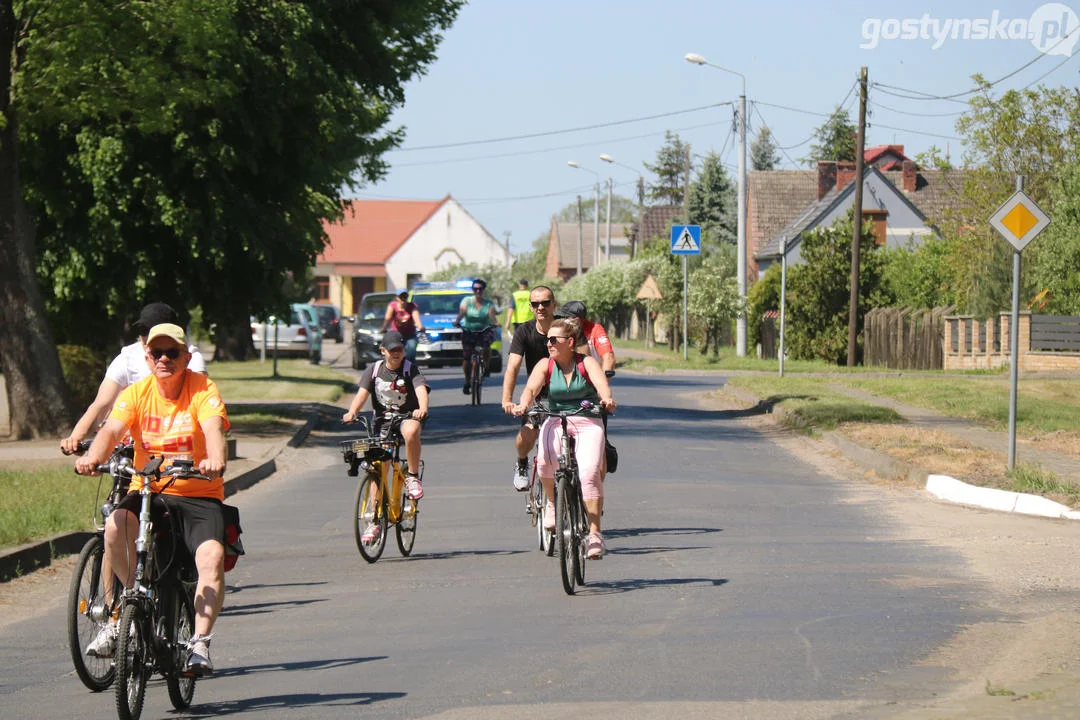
175	414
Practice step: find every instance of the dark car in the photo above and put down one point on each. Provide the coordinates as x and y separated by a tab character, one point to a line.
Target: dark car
330	321
367	328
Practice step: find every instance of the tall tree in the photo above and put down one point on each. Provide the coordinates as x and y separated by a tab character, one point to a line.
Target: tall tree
623	210
200	157
672	171
764	154
712	204
37	396
835	139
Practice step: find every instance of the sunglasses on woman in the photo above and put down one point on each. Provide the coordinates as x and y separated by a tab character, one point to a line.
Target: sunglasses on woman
171	353
540	303
478	289
554	339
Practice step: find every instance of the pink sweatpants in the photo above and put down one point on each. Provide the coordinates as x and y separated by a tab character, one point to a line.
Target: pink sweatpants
589	433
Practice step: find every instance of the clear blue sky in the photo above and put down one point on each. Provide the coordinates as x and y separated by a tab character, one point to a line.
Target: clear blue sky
515	68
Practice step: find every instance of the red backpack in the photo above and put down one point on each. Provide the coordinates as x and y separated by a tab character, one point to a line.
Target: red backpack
580	359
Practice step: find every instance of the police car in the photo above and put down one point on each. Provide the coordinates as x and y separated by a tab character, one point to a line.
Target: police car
438	303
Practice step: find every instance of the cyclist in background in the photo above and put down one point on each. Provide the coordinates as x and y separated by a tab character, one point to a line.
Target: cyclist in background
404	316
519	313
474	315
529	345
571	378
127	368
595	339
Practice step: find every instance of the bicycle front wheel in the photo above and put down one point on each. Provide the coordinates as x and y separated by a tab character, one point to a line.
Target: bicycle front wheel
370	513
405	528
564	535
134	663
581	522
182	620
477	379
547	539
88	613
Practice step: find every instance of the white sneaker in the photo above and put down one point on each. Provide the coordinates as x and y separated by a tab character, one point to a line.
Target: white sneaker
104	644
549	516
521	475
413	488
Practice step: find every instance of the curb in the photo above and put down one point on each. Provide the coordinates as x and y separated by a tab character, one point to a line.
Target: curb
943	487
36	555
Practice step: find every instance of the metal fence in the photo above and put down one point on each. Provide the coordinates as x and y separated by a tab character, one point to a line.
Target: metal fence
1055	332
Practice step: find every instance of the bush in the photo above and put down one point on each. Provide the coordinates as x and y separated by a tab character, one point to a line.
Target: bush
83	369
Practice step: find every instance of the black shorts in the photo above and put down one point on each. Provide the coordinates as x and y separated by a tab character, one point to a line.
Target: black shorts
470	340
195	519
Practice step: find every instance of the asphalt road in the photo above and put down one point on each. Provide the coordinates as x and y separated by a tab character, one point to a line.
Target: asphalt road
739	582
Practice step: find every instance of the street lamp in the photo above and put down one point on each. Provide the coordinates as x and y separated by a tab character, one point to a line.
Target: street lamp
740	325
596	214
641	198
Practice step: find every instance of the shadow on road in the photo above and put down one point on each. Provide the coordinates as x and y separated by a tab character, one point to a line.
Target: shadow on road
262	608
233	589
637	532
235	707
649	550
621	586
454	554
291	666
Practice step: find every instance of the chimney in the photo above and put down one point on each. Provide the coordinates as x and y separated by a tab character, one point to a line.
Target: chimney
909	176
826	177
845	173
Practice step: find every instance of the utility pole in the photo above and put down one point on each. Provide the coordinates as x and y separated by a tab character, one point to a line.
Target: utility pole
641	214
740	320
608	231
509	257
856	233
580	258
596	223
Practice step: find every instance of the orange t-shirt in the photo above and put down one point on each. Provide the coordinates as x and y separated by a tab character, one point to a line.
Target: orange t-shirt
162	427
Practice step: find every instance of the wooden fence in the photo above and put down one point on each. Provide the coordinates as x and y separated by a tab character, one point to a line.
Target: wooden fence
905	338
1055	332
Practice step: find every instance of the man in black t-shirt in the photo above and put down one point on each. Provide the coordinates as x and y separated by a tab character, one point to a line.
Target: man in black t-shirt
529	344
397	385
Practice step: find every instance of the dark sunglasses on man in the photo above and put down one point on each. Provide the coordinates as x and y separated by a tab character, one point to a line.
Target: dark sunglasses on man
171	353
540	304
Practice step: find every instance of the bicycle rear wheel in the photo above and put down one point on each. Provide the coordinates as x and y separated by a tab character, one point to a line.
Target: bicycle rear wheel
548	537
87	615
477	379
581	521
565	527
405	528
370	508
182	621
134	661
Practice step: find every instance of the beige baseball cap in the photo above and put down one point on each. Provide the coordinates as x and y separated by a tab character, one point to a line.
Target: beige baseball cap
173	332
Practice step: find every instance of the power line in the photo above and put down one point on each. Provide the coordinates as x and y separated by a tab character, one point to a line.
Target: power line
546	133
916	132
781	149
877	104
551	149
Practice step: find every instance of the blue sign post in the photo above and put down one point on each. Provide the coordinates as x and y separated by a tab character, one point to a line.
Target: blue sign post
685	240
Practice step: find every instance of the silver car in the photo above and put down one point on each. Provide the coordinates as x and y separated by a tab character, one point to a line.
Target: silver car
299	336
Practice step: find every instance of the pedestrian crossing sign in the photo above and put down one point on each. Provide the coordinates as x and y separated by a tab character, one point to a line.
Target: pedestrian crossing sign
685	239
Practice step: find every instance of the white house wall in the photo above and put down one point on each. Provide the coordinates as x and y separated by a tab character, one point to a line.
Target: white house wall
449	237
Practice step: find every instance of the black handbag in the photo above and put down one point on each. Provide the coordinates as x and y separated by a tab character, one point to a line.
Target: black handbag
611	455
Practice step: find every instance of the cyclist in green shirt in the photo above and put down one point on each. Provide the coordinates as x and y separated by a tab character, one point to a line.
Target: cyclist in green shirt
476	318
520	312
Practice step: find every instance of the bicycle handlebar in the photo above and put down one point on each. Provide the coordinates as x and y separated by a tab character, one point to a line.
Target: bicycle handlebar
587	408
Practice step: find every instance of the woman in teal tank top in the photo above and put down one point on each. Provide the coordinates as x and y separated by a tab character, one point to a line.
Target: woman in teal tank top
571	378
475	314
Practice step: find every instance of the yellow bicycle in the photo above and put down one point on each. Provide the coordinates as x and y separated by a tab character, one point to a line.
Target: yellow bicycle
381	499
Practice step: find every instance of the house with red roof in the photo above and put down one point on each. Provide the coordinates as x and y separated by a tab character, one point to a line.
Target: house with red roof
389	244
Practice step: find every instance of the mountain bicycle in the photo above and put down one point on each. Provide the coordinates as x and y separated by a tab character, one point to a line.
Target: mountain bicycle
158	611
571	519
92	600
478	367
381	498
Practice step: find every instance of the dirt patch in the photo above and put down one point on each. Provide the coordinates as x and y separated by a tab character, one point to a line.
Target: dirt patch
1066	442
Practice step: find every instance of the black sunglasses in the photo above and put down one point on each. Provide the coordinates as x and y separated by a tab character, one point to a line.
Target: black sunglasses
478	289
542	303
553	339
171	353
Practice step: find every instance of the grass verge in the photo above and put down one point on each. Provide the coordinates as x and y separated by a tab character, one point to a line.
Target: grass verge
45	499
812	403
296	380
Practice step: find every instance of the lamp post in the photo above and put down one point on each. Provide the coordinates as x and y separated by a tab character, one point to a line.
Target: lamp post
641	198
596	214
740	333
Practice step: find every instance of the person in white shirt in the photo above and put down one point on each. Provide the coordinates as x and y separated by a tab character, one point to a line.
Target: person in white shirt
127	368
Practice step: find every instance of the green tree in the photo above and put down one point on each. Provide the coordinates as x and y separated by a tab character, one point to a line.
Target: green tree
920	275
623	210
711	204
1056	252
158	170
672	169
713	299
764	154
764	296
819	291
835	139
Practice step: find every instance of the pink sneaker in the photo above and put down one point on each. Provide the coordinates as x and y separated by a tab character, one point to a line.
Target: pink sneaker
594	546
413	488
371	533
549	516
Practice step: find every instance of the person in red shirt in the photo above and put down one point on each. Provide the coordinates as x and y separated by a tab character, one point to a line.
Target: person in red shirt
404	316
594	336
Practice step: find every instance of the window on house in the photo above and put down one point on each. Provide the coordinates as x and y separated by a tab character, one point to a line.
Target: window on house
411	279
322	289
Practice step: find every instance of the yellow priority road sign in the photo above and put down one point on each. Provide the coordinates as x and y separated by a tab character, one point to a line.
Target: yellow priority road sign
1019	220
